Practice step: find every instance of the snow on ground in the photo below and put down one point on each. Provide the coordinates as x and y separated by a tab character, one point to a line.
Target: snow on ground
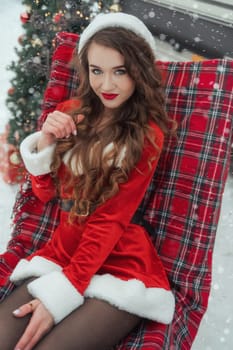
216	331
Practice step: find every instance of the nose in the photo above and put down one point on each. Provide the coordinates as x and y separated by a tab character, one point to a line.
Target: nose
107	82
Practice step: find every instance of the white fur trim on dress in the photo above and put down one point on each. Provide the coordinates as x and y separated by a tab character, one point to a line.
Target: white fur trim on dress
37	163
36	267
156	304
116	20
57	294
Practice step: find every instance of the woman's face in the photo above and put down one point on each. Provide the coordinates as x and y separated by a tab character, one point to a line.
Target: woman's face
108	76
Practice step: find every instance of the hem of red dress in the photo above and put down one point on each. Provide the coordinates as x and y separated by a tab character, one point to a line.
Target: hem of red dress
154	303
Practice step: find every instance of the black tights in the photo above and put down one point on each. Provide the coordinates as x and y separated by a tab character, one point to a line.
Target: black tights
96	325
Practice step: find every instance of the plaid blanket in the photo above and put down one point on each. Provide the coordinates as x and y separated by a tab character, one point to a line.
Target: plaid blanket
182	205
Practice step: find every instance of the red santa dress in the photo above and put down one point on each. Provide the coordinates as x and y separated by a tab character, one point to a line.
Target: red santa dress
107	257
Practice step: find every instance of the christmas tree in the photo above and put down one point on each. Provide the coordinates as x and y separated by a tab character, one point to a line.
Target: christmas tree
41	21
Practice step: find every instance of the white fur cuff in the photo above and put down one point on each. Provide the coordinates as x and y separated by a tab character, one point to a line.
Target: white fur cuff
156	304
36	163
17	274
57	294
36	267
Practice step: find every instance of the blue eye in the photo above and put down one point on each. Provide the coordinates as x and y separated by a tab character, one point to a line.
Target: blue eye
96	71
120	72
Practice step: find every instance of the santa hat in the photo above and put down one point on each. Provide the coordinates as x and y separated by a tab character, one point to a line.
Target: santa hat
114	20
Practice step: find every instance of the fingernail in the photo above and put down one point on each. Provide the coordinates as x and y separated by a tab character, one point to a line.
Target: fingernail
16	312
75	132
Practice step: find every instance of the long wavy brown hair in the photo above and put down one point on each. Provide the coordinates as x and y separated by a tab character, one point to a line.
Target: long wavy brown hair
95	174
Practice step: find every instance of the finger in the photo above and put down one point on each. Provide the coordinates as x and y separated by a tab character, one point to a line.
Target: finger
59	124
55	130
38	335
78	118
31	341
62	118
30	337
26	340
67	119
26	309
40	323
23	310
57	127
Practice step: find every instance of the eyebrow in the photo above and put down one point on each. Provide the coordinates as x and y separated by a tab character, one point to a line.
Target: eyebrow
116	67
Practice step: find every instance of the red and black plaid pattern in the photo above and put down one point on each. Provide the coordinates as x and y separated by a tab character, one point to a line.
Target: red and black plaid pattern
182	204
63	79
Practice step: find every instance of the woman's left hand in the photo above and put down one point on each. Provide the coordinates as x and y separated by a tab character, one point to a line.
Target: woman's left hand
40	323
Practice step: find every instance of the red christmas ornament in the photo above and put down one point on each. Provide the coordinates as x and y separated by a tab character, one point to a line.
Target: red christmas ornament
57	17
11	91
25	17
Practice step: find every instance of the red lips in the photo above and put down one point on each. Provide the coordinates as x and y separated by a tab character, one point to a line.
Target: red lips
109	96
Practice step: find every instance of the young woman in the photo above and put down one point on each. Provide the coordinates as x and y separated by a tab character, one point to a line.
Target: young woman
99	275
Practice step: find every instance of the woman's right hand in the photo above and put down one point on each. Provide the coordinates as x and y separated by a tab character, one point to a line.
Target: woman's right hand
40	324
58	125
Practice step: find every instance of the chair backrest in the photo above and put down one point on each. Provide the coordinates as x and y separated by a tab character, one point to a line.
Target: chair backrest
184	199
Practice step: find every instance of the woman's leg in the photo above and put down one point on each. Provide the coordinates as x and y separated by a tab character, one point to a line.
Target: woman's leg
96	325
11	328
